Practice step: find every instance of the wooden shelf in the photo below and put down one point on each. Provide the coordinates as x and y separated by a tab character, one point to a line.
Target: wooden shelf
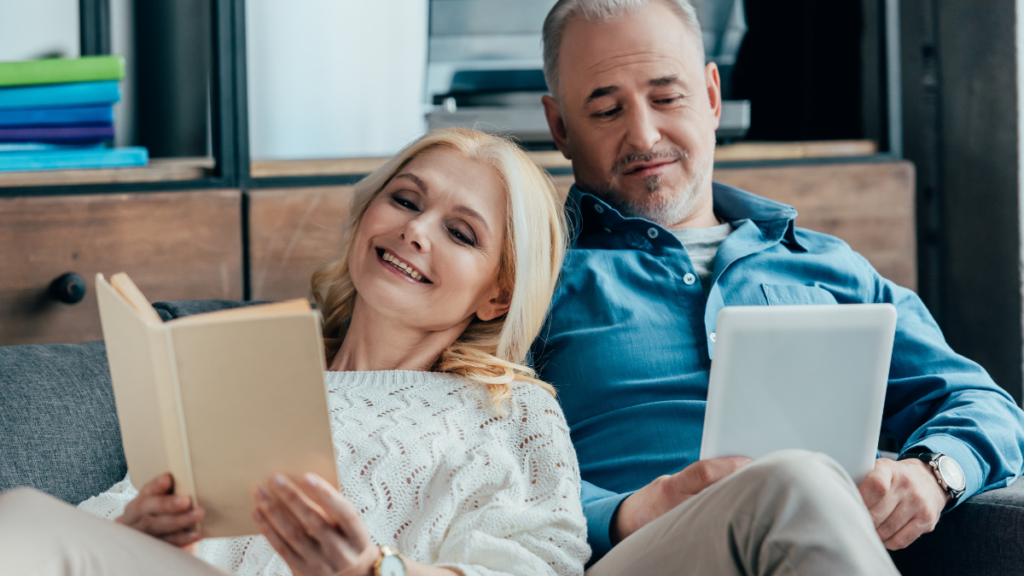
158	170
176	169
741	152
318	167
753	151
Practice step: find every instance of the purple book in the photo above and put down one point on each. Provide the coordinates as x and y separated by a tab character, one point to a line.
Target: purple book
95	133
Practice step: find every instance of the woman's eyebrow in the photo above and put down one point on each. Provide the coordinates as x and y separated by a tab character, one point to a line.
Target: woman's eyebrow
472	214
416	180
459	208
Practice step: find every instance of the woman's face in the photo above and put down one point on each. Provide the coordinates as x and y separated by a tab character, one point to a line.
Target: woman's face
427	250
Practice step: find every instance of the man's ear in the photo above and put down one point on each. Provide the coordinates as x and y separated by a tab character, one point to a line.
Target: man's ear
495	307
714	84
556	124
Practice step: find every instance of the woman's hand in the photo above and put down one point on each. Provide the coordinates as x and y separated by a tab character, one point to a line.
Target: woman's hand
314	528
161	514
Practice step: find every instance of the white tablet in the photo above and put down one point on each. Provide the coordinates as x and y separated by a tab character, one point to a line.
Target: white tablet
810	377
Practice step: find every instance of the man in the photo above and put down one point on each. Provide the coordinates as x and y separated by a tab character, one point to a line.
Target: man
658	250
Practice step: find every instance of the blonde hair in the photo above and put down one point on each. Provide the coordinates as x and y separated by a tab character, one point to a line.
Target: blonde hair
493	353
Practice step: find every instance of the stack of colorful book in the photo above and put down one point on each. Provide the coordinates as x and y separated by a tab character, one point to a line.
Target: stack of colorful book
59	114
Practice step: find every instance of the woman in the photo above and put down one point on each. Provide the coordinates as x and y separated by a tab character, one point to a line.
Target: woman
449	450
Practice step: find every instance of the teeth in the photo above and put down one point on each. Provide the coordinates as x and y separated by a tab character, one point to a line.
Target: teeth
402	266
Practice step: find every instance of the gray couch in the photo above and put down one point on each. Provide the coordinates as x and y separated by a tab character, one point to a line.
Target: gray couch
59	433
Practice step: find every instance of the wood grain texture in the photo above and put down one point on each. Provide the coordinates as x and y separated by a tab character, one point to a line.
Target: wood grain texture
158	170
174	245
750	151
314	167
869	205
739	152
291	233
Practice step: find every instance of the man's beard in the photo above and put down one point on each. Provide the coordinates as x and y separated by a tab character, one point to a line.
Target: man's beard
663	207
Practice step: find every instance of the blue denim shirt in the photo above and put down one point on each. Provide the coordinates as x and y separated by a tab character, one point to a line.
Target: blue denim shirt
628	345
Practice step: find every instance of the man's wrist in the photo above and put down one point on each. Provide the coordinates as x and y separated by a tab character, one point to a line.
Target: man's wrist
948	474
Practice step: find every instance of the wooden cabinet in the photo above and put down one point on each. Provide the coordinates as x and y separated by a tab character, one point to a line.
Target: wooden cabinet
869	205
189	244
292	232
174	245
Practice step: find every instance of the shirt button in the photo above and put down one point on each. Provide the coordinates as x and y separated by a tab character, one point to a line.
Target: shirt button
652	232
598	208
689	279
712	336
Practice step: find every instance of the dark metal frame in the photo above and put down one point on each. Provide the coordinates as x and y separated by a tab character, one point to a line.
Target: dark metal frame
230	126
94	27
893	74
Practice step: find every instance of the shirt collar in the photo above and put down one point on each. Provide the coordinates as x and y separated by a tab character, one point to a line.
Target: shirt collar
731	204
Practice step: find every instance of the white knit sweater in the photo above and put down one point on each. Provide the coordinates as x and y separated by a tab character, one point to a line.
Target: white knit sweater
437	475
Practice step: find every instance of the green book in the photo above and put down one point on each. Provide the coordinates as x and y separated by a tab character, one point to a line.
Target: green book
61	70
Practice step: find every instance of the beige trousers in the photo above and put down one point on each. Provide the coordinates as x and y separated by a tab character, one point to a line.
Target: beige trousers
792	512
42	536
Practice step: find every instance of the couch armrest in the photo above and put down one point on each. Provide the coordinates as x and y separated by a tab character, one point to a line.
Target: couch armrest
983	536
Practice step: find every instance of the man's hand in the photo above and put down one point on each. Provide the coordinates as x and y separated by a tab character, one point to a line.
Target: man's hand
667	492
904	500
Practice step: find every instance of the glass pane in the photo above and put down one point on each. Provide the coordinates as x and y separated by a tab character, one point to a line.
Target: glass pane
334	78
169	56
38	29
161	103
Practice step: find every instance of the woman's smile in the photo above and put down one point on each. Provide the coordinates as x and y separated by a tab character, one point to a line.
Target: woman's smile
399	267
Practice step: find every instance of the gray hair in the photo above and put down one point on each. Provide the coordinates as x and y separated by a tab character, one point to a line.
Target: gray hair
595	10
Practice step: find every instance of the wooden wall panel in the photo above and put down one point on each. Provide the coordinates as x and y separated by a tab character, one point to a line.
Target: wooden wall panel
291	233
174	245
869	205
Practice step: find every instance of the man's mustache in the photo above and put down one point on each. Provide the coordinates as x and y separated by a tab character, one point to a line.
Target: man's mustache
673	154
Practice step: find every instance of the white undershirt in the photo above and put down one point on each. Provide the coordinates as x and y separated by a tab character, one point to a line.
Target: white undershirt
702	245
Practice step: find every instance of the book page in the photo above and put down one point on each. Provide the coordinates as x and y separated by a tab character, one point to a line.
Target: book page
144	392
259	310
130	292
254	402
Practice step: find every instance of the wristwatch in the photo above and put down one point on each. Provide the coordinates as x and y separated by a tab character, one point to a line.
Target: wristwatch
389	563
949	474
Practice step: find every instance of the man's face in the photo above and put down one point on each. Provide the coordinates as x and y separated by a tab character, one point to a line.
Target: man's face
637	113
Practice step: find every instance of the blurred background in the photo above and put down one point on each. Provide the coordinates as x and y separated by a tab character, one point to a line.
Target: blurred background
342	78
893	124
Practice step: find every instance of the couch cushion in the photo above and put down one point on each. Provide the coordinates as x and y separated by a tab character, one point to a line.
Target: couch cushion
58	424
983	536
57	420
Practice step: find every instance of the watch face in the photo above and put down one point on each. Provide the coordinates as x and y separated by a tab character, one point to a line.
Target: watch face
952	473
392	566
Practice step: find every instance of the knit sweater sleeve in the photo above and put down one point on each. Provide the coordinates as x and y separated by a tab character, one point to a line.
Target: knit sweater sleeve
111	504
529	522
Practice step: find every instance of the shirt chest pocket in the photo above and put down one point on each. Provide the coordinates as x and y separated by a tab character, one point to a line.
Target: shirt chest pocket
796	295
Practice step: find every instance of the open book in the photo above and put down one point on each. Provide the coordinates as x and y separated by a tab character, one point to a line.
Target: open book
221	400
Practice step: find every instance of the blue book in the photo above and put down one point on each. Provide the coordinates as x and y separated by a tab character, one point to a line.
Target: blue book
52	116
6	147
63	134
61	95
74	159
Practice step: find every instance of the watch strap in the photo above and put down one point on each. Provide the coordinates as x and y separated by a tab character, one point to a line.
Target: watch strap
932	459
